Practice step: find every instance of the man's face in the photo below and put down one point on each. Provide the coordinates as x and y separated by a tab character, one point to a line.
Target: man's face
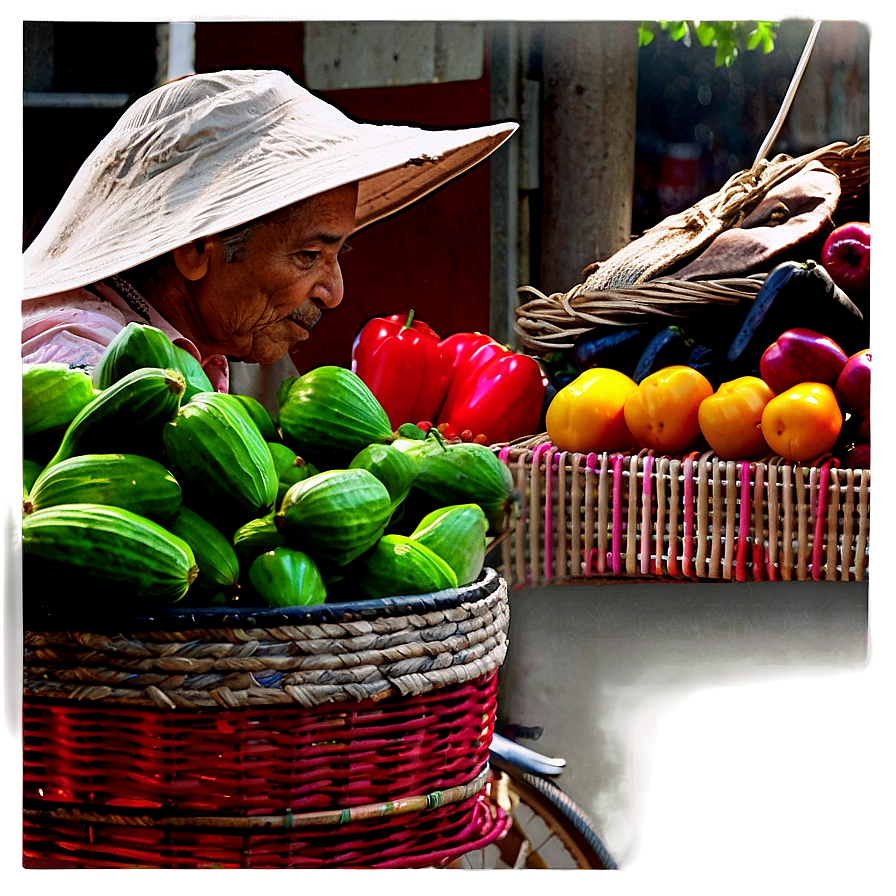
256	309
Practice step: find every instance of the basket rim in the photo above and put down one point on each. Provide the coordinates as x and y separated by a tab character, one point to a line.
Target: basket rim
175	618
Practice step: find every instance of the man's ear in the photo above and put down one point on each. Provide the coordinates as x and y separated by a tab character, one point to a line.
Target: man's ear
192	260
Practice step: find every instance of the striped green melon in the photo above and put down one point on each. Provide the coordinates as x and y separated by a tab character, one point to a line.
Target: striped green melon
141	345
31	469
221	461
462	473
395	469
398	566
329	414
260	416
52	396
219	568
256	537
136	483
286	577
335	515
457	535
84	552
126	418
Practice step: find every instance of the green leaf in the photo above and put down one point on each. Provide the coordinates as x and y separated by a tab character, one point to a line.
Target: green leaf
645	34
705	33
728	39
678	30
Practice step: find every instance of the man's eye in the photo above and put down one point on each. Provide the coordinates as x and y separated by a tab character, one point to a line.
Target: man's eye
345	248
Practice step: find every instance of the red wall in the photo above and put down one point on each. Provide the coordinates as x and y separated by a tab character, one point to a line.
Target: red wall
433	257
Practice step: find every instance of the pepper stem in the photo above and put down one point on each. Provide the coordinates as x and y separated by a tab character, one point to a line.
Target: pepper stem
410	319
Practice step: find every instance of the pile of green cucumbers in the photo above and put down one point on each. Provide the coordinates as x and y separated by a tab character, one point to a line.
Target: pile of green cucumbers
144	487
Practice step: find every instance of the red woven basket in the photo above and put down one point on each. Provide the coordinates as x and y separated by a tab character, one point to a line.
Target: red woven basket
351	735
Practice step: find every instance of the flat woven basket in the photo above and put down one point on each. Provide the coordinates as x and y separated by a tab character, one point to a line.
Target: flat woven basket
341	735
637	284
647	517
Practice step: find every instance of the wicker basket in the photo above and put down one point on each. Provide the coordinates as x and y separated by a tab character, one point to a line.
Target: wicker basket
351	735
641	516
637	284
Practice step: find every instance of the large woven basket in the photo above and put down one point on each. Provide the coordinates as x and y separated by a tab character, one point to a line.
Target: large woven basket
638	284
350	735
640	516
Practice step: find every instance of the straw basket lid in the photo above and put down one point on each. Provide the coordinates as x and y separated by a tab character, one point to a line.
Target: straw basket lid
209	152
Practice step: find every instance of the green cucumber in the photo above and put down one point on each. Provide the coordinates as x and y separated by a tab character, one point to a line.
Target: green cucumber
141	345
397	566
329	415
136	483
397	470
256	537
457	535
221	461
282	393
52	396
126	418
260	416
286	577
463	473
80	552
219	568
336	515
290	468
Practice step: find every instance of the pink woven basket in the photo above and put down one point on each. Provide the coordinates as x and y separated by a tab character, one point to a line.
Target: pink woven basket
598	516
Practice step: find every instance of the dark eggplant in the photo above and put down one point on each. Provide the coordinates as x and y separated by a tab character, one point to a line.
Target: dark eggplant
617	348
713	364
667	347
796	294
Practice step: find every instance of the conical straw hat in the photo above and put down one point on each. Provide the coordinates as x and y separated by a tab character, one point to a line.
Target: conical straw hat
209	152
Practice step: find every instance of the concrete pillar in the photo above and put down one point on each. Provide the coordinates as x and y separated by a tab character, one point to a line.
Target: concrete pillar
590	111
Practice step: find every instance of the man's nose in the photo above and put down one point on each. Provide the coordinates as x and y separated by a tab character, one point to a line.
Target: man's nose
329	291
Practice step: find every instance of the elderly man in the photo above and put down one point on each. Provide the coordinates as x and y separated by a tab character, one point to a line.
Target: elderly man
216	210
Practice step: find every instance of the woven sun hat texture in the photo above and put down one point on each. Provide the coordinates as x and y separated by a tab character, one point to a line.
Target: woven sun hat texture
209	152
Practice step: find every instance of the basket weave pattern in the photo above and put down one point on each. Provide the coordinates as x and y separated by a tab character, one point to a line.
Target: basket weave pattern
584	517
362	743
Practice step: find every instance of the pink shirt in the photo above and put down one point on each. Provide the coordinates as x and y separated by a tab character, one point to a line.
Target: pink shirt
75	327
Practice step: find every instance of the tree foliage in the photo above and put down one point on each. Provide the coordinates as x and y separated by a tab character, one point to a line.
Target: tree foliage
728	39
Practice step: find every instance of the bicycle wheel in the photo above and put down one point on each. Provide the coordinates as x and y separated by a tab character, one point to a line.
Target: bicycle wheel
548	830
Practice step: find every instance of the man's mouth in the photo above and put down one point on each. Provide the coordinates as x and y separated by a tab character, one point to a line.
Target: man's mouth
305	316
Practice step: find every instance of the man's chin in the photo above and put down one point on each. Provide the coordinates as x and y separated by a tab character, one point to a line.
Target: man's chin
269	351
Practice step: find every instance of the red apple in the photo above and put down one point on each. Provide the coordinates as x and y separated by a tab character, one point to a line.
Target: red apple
846	256
853	385
798	356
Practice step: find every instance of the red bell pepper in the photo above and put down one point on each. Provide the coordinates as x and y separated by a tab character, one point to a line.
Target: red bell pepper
458	347
500	397
402	362
469	353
